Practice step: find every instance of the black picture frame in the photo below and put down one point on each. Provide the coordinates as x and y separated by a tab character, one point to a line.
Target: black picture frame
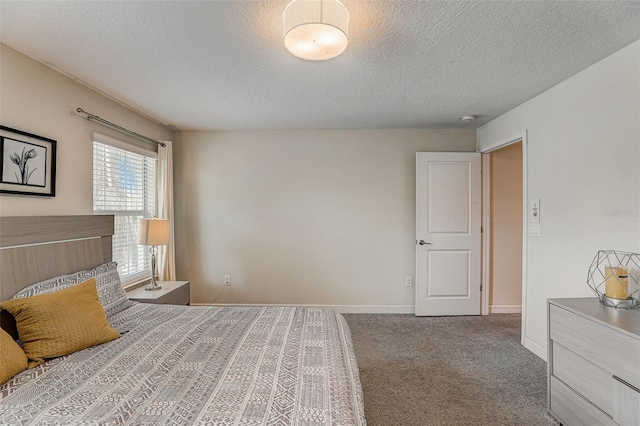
27	163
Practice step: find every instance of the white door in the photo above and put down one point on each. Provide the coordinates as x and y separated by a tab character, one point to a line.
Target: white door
448	208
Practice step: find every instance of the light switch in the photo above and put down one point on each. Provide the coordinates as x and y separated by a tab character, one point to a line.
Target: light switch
534	210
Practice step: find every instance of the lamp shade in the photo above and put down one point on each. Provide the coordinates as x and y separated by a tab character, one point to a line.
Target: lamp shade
153	232
316	30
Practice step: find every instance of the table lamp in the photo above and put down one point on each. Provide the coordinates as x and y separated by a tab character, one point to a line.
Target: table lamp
153	233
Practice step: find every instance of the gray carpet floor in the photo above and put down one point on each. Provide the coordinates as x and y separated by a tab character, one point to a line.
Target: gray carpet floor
448	371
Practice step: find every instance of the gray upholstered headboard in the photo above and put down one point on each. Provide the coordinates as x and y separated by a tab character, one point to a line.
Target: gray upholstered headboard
34	248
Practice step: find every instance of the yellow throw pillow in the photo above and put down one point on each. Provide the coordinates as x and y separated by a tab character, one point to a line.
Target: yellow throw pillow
60	323
12	358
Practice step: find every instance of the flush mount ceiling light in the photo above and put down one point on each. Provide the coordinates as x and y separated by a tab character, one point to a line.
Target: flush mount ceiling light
316	30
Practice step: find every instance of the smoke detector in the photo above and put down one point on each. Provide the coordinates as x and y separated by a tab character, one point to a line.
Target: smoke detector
467	118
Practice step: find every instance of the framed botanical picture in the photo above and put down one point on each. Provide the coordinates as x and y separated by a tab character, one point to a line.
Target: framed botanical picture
27	163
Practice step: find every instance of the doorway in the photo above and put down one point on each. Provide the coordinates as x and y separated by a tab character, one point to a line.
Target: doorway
505	225
521	139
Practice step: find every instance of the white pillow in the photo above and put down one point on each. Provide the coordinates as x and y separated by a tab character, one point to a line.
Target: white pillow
110	292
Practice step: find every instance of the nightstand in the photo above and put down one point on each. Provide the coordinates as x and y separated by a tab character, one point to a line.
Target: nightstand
171	293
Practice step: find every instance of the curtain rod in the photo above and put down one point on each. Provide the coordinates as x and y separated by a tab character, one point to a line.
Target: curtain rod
120	129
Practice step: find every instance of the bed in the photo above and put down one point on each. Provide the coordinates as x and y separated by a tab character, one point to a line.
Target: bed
177	365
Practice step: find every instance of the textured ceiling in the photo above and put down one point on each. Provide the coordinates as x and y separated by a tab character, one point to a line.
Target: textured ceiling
410	64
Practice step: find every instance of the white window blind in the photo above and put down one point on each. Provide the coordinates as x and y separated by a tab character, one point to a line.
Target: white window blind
124	185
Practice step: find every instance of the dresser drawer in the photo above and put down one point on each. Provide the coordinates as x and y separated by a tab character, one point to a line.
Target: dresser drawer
603	346
626	409
572	409
586	378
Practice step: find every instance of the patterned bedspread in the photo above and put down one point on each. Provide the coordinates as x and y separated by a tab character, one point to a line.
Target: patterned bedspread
199	365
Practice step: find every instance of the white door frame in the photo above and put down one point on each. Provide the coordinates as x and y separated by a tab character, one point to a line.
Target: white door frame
486	223
486	232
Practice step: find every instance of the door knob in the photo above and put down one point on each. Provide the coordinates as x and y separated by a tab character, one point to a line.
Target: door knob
423	242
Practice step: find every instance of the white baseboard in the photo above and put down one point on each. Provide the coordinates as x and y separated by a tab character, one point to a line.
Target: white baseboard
505	309
535	348
343	309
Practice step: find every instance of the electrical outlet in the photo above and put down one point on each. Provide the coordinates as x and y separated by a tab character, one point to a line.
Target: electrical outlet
408	281
227	280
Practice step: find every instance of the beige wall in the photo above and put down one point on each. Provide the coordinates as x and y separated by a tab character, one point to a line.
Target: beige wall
583	154
36	99
506	228
303	217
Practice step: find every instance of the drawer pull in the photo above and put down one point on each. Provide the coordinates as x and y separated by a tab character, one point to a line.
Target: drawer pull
626	384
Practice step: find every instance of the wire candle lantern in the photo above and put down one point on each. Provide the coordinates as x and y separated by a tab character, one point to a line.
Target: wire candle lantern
615	277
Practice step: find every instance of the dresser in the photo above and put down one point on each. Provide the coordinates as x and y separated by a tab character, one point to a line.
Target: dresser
593	374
